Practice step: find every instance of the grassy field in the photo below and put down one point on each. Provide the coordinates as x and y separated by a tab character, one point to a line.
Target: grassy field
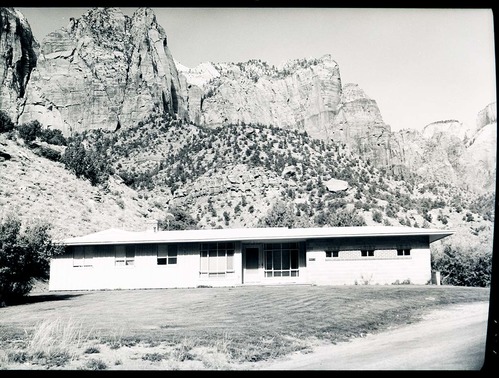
204	328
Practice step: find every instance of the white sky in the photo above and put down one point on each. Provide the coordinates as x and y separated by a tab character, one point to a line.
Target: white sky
420	65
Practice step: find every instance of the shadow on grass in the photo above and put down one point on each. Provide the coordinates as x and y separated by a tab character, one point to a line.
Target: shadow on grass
30	299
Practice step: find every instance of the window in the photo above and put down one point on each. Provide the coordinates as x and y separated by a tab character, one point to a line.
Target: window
217	259
404	252
82	256
125	256
167	254
367	252
330	254
281	259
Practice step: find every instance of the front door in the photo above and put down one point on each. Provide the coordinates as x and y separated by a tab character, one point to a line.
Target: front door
253	267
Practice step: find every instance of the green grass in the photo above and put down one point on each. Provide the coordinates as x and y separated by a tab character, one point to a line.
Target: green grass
244	324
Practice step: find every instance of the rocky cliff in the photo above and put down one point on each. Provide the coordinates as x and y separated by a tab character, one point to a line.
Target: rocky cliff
303	94
18	54
104	70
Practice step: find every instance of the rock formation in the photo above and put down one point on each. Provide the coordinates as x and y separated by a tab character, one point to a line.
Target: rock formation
104	70
303	94
18	52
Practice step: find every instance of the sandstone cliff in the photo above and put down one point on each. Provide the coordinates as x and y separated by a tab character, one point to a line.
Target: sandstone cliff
303	94
18	52
104	70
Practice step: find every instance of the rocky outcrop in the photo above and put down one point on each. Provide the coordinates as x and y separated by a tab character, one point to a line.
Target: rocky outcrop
449	152
486	116
451	127
18	55
303	94
358	124
104	70
334	185
480	157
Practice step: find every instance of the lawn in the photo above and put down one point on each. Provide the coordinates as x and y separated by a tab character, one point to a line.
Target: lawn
204	328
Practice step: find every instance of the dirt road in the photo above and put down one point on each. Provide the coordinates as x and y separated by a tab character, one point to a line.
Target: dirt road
449	339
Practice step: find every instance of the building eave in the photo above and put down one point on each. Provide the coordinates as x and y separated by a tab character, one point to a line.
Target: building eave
116	236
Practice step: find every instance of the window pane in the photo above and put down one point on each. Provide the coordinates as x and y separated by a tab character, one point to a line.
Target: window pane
161	261
130	251
268	260
172	250
129	262
172	260
78	253
277	274
230	261
285	259
277	260
294	259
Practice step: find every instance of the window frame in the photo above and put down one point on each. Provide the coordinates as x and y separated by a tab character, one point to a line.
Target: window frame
124	260
167	256
367	252
86	260
333	254
275	254
403	252
216	259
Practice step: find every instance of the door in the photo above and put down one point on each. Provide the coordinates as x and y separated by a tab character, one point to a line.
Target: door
253	267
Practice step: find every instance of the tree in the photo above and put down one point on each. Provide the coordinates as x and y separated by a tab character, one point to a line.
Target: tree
24	256
6	123
282	214
178	219
30	131
464	265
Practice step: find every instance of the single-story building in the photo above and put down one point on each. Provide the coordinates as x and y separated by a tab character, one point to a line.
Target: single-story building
119	259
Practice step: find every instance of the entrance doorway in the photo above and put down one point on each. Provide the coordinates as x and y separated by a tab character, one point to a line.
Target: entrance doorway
253	267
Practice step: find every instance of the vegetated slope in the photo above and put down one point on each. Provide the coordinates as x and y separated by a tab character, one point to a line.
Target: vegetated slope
36	187
239	176
250	175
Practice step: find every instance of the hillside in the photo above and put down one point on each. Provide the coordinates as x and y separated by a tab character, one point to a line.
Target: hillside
37	188
231	177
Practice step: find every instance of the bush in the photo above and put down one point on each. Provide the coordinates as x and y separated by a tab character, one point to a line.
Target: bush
24	256
377	216
48	153
53	136
91	164
30	131
178	219
463	266
5	122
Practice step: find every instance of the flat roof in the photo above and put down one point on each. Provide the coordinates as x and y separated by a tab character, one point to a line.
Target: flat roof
118	236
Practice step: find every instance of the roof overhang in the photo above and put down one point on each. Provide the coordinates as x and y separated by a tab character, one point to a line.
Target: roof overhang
117	236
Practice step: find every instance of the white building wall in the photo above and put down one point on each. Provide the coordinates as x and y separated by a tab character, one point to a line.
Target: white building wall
385	267
145	273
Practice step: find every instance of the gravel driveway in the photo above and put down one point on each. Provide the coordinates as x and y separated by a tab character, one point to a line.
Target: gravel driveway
448	339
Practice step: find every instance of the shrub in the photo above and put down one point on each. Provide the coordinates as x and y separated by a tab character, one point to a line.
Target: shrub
29	131
94	364
48	153
53	136
377	216
6	123
24	256
178	219
463	266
